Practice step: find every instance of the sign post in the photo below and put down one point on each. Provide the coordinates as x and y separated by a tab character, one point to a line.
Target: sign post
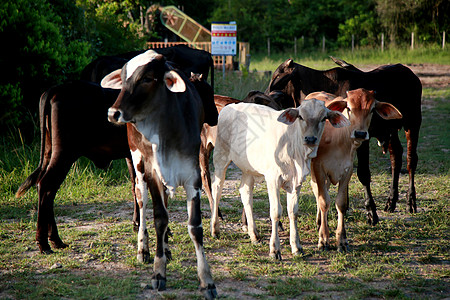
223	40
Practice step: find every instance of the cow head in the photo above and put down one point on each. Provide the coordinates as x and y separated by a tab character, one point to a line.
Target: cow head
311	116
282	78
360	105
144	79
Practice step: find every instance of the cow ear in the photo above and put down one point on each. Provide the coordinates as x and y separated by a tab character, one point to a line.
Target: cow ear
337	105
337	119
289	116
113	80
174	82
387	111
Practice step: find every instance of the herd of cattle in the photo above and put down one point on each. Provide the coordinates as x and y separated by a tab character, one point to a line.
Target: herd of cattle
156	110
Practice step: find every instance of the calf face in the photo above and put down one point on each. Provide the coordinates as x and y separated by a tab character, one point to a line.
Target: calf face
313	113
141	80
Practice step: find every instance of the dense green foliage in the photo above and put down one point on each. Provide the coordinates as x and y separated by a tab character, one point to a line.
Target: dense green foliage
47	42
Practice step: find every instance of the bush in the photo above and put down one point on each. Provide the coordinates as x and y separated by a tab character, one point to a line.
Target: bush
36	56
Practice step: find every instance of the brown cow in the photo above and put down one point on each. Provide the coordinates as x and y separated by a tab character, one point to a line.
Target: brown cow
334	161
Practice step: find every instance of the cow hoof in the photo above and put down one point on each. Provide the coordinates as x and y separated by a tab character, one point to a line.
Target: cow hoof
280	226
159	283
169	232
210	292
298	253
323	247
372	218
168	254
47	251
343	248
135	227
58	244
44	248
389	208
143	258
276	255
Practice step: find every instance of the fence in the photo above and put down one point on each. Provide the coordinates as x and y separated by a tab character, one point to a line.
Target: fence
243	52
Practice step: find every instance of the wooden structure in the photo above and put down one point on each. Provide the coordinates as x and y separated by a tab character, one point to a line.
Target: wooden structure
242	59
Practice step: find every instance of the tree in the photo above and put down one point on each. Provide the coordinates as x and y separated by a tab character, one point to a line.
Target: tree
36	56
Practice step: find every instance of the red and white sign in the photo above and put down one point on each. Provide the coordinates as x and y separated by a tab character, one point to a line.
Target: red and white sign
223	38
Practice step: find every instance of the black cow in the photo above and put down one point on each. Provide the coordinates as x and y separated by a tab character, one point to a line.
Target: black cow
395	84
164	115
181	56
64	139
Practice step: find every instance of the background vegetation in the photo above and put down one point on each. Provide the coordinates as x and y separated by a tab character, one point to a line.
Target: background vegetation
47	42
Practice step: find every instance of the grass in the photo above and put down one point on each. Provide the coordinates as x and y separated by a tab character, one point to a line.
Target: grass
321	60
405	256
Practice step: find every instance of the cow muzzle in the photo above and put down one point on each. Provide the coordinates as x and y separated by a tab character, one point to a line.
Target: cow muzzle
360	135
115	116
310	140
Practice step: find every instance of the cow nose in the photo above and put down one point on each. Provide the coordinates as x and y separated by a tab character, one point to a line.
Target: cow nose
113	115
310	140
360	135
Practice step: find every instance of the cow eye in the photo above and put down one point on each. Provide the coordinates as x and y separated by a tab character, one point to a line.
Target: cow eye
148	79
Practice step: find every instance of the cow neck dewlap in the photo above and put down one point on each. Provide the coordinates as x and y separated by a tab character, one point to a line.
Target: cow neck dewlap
169	164
300	153
140	60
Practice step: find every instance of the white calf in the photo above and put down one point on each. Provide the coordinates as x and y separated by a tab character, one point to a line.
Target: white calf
256	140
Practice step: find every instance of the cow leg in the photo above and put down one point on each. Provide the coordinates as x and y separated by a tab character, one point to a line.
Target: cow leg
47	189
246	191
220	166
320	189
396	151
193	192
342	207
364	177
143	253
161	222
275	215
133	190
292	208
205	153
412	138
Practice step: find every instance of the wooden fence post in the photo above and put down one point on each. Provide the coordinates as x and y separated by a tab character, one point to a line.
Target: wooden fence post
268	46
353	43
382	42
295	47
323	44
412	40
443	40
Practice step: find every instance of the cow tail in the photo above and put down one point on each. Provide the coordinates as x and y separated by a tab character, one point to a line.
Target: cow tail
44	112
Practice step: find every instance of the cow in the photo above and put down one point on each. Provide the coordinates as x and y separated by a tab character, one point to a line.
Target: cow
64	139
181	56
274	100
164	116
334	161
395	84
256	140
